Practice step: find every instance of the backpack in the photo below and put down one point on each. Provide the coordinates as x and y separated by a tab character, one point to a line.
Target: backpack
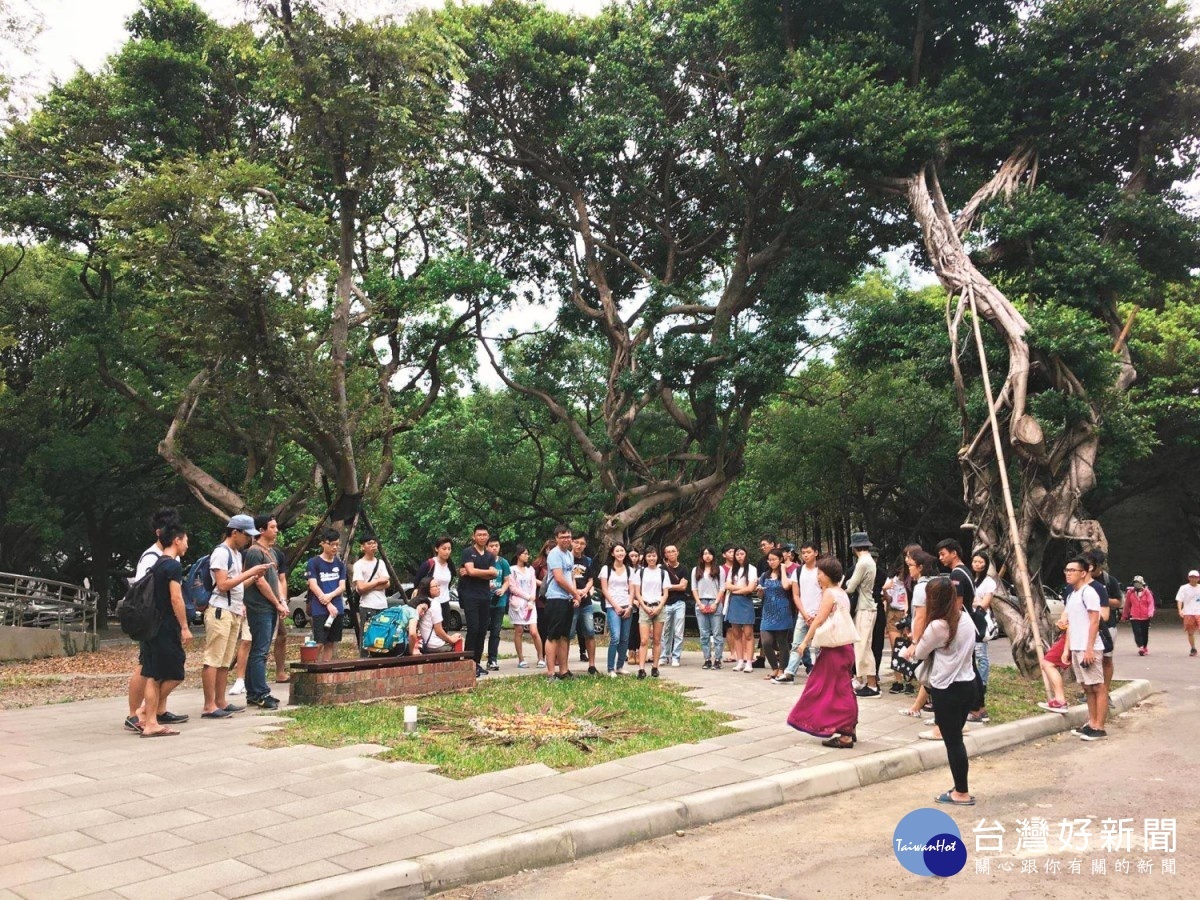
137	612
386	633
198	587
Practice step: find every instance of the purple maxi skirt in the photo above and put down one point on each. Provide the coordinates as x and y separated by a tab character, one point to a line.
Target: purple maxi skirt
827	705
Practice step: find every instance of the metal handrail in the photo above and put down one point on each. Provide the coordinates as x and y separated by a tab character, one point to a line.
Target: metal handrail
33	602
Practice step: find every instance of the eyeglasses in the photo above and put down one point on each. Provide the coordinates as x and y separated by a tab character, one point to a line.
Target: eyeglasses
1069	569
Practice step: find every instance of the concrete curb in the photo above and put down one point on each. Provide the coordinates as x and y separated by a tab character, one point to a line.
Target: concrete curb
554	845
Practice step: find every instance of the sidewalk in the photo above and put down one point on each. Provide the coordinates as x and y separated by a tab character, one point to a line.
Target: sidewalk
88	809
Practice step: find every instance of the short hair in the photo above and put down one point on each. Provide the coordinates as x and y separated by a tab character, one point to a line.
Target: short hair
1097	556
649	550
726	548
810	545
164	517
766	537
443	541
561	529
262	521
1083	561
831	567
366	537
493	538
952	545
480	527
168	533
330	534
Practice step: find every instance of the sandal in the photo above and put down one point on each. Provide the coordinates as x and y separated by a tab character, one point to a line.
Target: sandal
948	797
910	713
282	679
166	732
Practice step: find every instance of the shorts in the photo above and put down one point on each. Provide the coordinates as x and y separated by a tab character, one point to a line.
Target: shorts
1089	675
1191	624
245	632
1054	654
221	635
893	616
323	634
652	614
555	619
163	654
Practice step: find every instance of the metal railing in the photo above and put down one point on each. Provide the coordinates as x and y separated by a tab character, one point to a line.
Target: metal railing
41	603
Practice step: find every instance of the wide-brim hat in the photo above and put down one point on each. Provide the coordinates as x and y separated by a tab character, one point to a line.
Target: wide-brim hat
1138	579
860	541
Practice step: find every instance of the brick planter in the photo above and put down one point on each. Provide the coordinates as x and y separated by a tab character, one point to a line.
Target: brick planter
403	678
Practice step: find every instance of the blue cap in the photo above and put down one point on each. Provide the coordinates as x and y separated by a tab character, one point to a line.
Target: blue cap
243	523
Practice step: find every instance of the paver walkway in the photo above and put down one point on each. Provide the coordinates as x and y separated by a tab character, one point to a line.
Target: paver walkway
88	809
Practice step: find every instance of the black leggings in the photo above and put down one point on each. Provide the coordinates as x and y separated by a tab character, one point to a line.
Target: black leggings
776	646
1141	631
950	708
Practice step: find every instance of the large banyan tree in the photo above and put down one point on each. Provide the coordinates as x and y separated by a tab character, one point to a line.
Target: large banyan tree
1038	147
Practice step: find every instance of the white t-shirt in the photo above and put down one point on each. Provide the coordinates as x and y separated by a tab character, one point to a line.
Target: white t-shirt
918	597
653	583
810	590
442	575
707	586
230	562
1079	604
152	555
618	586
432	616
985	587
362	570
1189	598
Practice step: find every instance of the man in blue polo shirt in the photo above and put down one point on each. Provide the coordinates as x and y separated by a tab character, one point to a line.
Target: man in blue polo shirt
562	599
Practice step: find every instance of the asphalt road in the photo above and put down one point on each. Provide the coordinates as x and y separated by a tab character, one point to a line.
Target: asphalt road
841	846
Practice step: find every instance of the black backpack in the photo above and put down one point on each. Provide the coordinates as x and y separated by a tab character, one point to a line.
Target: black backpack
138	611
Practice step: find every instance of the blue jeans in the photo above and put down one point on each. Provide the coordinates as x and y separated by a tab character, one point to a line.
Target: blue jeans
794	660
712	627
672	634
581	621
981	661
618	638
262	631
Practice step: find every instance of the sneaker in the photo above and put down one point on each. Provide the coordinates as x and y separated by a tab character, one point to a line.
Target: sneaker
521	664
132	724
239	687
170	718
910	689
493	666
1141	651
1193	653
541	664
641	674
1081	730
583	656
897	688
867	692
654	672
612	674
663	661
674	664
267	702
785	678
1094	734
707	664
621	671
928	707
717	664
979	719
738	666
1054	706
592	670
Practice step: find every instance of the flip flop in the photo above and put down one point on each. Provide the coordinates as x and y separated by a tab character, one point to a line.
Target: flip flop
216	714
166	732
949	799
132	724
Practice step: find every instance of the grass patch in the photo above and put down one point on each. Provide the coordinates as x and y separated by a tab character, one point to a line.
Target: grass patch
659	714
1011	696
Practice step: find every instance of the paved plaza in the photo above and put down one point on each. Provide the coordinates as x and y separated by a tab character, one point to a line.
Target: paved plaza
88	809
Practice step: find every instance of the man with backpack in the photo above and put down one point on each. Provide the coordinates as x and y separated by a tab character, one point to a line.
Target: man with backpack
163	654
371	580
225	613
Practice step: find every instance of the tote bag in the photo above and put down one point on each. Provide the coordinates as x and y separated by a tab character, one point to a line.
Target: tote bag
837	630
